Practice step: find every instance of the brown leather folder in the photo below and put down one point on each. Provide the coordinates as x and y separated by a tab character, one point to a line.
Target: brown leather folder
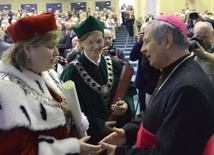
121	89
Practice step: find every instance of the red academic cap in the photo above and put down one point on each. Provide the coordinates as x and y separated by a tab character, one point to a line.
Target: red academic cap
26	27
174	20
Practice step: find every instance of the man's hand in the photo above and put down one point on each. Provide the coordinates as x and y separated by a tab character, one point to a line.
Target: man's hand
105	51
115	138
199	52
86	149
119	108
197	18
140	37
109	127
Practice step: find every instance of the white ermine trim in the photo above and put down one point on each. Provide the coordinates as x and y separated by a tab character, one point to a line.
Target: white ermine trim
58	147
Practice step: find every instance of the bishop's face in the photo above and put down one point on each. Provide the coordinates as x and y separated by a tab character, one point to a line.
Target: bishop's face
153	50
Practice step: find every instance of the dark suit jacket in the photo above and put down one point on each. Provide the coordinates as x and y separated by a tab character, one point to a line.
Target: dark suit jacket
72	54
64	44
135	54
130	20
7	38
146	76
181	115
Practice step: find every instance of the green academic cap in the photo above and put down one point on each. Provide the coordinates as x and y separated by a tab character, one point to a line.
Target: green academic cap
88	25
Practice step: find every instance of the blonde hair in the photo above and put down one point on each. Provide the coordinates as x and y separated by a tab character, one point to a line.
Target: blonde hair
17	56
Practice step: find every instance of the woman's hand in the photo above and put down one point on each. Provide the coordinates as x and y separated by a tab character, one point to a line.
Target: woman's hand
110	149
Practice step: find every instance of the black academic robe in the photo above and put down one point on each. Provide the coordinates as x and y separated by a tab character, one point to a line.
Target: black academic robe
91	102
180	116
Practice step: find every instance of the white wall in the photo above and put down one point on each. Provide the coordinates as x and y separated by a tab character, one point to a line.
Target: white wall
152	6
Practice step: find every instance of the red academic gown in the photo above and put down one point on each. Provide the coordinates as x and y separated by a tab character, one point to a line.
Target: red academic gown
23	141
29	126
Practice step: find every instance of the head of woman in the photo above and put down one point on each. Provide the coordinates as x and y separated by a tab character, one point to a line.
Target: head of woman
37	50
90	33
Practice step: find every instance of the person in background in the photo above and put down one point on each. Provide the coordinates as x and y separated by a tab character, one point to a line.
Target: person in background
10	16
130	18
202	54
139	23
7	37
149	17
187	8
180	118
75	52
60	65
96	77
74	44
3	45
140	79
124	13
67	31
109	24
88	13
114	52
199	17
64	42
72	35
205	31
147	76
35	116
97	12
182	17
115	19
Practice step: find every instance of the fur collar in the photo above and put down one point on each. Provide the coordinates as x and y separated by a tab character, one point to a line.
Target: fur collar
18	108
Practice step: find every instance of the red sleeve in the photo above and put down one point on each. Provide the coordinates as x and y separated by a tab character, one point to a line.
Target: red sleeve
18	141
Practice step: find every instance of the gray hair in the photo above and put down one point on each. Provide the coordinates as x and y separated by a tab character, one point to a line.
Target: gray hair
205	24
159	28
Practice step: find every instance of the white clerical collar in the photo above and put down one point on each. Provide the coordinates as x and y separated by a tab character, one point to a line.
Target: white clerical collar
96	63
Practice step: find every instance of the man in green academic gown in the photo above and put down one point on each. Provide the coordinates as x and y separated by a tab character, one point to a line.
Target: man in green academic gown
96	78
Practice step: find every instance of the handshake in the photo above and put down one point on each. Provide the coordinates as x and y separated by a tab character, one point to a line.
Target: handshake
108	144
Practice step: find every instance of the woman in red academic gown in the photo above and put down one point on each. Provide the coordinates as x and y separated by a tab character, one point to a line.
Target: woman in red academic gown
34	115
